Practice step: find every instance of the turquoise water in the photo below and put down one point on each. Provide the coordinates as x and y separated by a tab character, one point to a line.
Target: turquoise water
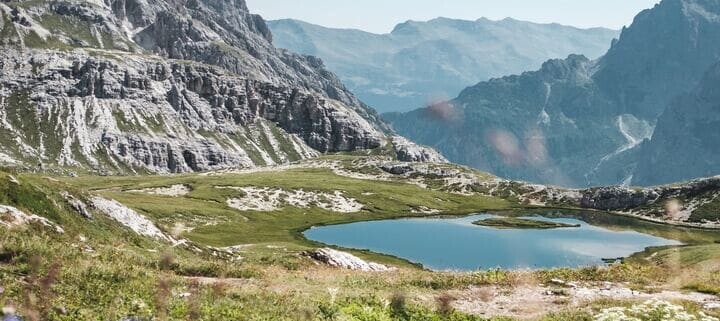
457	244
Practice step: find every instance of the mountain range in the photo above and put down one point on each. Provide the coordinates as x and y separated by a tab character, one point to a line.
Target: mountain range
419	62
162	160
641	114
134	86
131	86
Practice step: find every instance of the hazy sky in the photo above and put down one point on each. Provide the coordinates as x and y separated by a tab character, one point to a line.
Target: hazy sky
380	16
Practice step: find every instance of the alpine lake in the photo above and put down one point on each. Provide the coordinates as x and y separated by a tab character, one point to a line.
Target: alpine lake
469	243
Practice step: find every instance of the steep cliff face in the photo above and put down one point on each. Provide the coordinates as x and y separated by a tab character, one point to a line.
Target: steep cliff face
577	122
226	34
165	86
664	53
74	110
540	126
686	143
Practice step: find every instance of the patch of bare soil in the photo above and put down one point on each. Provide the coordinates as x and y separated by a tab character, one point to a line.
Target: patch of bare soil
533	301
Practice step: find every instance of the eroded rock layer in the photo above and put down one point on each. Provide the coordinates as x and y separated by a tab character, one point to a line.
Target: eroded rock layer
166	86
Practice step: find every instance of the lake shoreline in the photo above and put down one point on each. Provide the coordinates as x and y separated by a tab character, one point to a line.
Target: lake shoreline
440	243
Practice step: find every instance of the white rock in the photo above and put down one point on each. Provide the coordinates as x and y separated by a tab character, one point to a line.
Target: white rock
344	260
11	217
425	210
265	199
411	152
131	219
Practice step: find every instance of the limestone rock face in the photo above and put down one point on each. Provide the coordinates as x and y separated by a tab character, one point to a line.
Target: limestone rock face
167	87
226	34
166	116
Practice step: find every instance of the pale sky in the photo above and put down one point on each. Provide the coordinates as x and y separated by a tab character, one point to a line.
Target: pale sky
380	16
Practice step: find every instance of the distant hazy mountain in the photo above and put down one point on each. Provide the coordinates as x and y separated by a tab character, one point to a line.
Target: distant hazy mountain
421	62
578	122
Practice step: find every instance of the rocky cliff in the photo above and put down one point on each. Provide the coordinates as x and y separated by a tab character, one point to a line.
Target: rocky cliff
686	142
165	86
578	122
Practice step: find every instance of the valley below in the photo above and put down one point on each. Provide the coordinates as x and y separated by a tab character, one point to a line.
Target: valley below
225	243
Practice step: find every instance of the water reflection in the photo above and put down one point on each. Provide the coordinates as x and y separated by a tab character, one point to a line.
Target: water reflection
457	244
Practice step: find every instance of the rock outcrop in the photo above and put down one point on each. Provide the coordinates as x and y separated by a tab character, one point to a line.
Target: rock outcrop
130	219
78	205
408	151
616	198
686	142
344	260
13	217
271	199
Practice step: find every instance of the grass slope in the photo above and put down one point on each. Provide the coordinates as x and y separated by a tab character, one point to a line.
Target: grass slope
99	270
206	203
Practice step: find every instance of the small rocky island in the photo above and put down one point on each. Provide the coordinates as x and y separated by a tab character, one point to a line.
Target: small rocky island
521	223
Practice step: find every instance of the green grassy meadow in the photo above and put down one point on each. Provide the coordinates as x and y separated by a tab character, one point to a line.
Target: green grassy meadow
100	270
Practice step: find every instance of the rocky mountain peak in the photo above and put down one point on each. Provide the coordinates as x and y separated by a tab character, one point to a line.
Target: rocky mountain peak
677	40
235	14
577	122
135	86
574	67
421	61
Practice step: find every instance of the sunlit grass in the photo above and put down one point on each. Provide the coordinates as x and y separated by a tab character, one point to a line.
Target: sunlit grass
114	273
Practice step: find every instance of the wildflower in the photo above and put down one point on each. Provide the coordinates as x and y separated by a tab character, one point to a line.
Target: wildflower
333	294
